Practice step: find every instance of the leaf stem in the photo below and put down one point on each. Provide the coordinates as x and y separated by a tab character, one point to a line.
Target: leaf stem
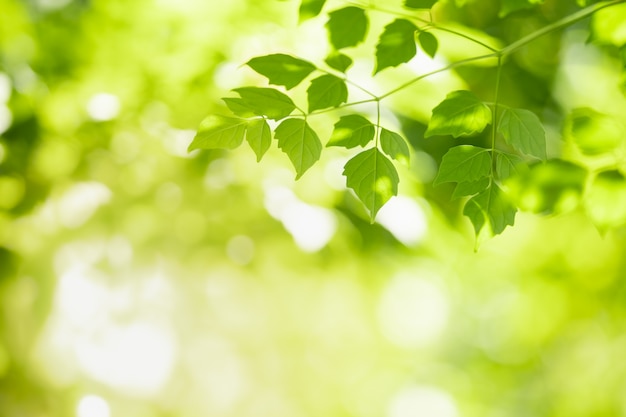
494	123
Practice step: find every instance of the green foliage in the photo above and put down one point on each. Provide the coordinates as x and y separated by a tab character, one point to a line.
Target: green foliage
300	143
460	114
373	178
396	44
492	180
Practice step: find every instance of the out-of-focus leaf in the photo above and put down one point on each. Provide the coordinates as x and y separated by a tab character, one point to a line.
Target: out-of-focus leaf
347	27
428	42
396	44
310	8
593	132
339	61
605	202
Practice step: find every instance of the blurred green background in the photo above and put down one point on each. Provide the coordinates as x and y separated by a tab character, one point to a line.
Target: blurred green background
139	280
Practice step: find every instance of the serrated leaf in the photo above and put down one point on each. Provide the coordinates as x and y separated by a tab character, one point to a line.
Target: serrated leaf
428	43
326	91
396	44
259	137
281	69
266	102
352	131
310	8
463	189
347	27
238	107
300	143
508	165
523	130
460	114
395	146
490	208
464	163
509	6
419	4
373	178
218	132
339	61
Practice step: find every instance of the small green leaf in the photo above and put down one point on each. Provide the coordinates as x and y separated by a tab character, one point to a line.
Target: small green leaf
339	61
464	163
490	208
259	137
508	165
593	132
396	44
460	114
238	107
428	42
373	178
523	130
419	4
281	69
395	146
326	91
352	131
347	27
463	189
310	8
510	6
266	102
300	143
218	132
606	200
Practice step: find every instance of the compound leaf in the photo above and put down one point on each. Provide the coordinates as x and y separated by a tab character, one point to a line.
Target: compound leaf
266	102
300	143
523	130
310	8
460	114
394	145
259	137
419	4
429	43
347	27
464	163
326	91
218	132
373	178
492	209
352	131
339	61
281	69
396	44
238	107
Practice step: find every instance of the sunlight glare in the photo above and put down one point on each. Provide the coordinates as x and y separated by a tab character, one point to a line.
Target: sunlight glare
405	219
103	107
422	401
92	406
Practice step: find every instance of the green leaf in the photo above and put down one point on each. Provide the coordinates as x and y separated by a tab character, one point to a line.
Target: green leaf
508	165
339	61
266	102
347	27
464	163
310	8
428	42
593	132
218	132
352	131
523	130
606	200
326	91
238	107
281	69
419	4
259	137
395	146
510	6
396	44
463	189
300	143
460	114
373	178
490	208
